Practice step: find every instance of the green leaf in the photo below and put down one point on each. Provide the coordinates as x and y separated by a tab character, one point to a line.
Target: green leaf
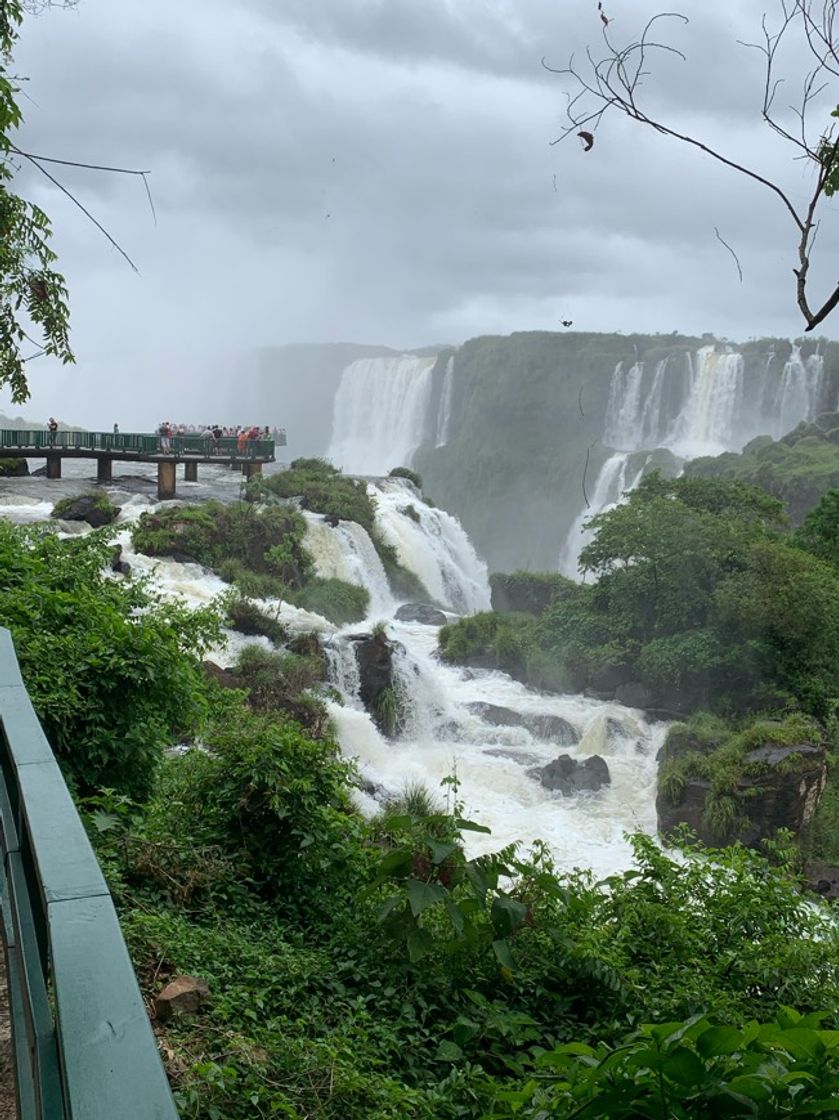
718	1040
420	944
422	895
471	826
456	917
507	914
440	851
683	1066
503	954
448	1051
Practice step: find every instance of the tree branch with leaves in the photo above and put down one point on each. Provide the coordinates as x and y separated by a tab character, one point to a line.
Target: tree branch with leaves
611	80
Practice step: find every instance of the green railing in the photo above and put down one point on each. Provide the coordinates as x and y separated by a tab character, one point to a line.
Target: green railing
137	443
83	1044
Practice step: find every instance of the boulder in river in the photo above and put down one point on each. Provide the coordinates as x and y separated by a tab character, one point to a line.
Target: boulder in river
95	509
542	725
496	714
117	563
378	688
13	468
424	613
572	775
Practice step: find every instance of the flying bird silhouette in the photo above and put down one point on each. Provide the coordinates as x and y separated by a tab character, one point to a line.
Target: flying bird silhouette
567	322
587	139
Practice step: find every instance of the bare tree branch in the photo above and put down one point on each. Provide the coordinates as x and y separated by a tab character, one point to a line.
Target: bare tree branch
613	81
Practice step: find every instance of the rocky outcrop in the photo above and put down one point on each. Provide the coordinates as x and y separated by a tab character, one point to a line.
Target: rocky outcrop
377	688
185	995
779	788
13	468
421	612
822	879
572	775
541	725
95	509
117	563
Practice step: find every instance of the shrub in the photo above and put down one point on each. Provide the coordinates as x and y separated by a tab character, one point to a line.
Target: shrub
406	472
531	592
336	600
323	489
244	616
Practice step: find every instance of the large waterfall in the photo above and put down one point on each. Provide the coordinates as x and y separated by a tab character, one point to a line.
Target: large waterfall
693	404
380	413
444	413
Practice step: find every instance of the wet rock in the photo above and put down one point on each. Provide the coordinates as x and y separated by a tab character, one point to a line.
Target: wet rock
496	714
525	758
607	678
634	694
39	472
95	509
182	996
117	562
822	879
553	728
570	775
424	613
780	788
332	520
14	468
225	677
377	689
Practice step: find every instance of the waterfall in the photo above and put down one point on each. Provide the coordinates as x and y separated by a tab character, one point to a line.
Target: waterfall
623	410
444	413
651	419
798	393
707	424
608	490
433	545
379	414
346	552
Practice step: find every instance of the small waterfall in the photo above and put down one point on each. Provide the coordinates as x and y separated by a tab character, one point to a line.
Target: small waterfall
433	545
444	413
798	393
610	486
623	412
707	422
379	415
343	669
346	552
651	419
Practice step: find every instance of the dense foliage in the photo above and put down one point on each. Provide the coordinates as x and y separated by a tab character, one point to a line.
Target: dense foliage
259	547
531	592
701	600
114	673
798	469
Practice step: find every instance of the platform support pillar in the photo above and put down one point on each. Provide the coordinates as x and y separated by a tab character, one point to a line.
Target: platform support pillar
53	466
190	472
103	469
166	479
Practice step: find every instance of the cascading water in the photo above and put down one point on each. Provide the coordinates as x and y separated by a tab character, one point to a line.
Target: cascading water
707	423
703	408
380	412
346	552
444	413
432	544
799	391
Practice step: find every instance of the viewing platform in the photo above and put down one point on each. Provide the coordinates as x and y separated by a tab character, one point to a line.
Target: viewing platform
137	447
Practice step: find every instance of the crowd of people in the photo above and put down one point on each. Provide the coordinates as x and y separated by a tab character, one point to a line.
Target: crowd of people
214	433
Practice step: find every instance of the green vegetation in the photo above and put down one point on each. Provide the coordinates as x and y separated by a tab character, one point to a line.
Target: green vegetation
701	599
113	672
531	592
101	509
706	747
246	617
406	472
13	468
258	547
33	296
798	469
375	970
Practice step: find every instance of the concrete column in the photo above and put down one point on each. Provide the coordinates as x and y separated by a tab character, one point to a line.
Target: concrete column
53	466
190	472
250	469
166	479
103	469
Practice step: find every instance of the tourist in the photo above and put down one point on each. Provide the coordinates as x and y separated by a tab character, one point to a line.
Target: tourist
53	428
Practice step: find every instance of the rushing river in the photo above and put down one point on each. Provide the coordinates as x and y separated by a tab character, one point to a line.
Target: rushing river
444	735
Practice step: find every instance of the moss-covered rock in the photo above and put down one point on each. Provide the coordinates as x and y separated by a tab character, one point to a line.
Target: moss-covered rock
96	509
13	468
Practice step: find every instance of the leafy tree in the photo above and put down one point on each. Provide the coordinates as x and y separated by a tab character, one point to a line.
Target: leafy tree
32	294
113	672
820	532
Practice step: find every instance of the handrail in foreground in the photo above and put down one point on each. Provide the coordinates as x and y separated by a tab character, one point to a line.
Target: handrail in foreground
83	1044
137	443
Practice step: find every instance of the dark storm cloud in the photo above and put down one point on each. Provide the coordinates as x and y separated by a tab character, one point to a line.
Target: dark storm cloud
381	170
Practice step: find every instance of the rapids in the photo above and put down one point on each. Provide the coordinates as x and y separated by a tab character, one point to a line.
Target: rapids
443	736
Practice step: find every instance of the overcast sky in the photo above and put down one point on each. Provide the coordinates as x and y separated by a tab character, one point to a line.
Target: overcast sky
381	171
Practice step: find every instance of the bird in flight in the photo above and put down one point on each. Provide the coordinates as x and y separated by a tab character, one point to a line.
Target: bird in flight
587	139
567	322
